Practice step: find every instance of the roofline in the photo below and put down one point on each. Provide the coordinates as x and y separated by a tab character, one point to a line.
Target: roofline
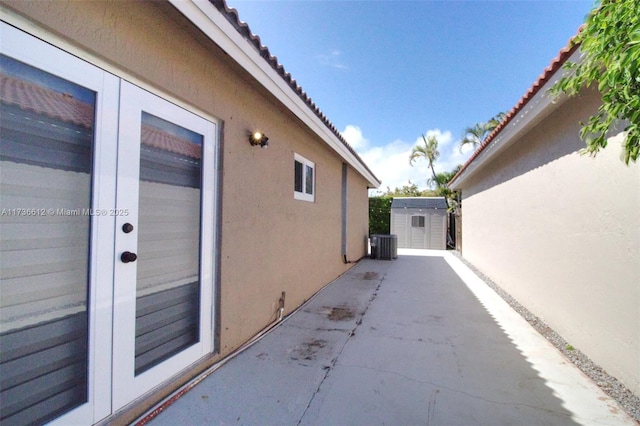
534	105
222	26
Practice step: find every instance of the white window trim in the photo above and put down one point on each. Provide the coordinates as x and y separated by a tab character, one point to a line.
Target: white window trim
303	196
424	221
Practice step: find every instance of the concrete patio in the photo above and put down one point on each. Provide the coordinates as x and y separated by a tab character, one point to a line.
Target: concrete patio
416	341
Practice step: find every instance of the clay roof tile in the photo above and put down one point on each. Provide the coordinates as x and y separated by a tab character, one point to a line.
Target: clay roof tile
233	18
39	99
547	74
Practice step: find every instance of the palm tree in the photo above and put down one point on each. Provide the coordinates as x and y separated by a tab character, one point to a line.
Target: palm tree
428	151
495	121
476	134
441	181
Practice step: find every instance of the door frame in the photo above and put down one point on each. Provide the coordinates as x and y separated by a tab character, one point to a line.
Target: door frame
103	399
133	101
29	50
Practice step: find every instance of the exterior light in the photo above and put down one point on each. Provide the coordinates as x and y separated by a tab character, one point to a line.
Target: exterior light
258	138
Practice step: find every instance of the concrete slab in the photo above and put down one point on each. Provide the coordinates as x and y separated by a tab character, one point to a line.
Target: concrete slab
419	340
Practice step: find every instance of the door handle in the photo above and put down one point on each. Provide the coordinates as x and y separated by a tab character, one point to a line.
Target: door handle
127	257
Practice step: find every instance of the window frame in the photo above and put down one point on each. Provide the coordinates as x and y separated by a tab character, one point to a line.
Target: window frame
304	195
418	216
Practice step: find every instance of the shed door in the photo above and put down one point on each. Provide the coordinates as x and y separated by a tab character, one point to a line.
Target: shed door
418	232
163	283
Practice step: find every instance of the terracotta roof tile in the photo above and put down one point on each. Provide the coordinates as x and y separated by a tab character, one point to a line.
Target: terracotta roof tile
162	140
42	100
546	75
232	17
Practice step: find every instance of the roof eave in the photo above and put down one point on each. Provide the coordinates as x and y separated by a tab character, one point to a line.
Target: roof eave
534	106
217	28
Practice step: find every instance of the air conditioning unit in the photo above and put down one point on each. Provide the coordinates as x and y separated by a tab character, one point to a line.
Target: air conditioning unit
384	247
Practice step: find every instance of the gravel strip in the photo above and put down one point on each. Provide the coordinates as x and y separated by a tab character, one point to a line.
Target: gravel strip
610	385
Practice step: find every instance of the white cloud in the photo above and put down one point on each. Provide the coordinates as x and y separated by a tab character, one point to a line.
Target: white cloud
390	162
353	135
332	59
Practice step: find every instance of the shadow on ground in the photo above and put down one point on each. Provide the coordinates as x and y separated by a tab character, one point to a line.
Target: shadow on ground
400	342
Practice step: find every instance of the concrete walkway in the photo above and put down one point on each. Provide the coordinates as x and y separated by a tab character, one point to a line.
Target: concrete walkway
416	341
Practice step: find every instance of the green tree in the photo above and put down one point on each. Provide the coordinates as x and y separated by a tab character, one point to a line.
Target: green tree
428	151
380	215
409	190
438	181
495	121
441	181
610	44
476	134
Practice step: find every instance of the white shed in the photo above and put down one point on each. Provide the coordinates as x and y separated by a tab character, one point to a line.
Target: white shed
420	222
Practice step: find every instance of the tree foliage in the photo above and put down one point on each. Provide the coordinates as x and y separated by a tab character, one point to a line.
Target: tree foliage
409	190
610	43
380	215
428	151
476	134
496	120
441	181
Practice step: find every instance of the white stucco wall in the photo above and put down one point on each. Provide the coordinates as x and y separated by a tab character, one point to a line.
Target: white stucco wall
561	233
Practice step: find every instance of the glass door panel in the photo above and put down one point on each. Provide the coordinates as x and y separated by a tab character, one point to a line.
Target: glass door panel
46	150
163	282
168	276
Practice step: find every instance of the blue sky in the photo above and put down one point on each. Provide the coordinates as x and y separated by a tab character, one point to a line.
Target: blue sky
385	72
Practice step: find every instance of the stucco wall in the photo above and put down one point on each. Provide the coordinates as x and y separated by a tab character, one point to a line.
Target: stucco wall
357	216
270	242
561	233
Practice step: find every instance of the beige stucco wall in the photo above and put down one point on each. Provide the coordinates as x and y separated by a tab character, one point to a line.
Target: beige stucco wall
270	242
561	233
357	216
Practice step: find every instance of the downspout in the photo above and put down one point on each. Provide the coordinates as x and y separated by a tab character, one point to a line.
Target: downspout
344	214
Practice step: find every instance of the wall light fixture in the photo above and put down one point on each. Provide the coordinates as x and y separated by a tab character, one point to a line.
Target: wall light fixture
258	138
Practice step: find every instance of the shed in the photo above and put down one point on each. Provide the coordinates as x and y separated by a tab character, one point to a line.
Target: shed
420	222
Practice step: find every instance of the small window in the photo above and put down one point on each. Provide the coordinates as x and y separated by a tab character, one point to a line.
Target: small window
417	221
304	178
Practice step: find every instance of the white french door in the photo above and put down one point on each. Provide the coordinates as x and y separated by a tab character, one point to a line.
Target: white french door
107	239
163	283
58	135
